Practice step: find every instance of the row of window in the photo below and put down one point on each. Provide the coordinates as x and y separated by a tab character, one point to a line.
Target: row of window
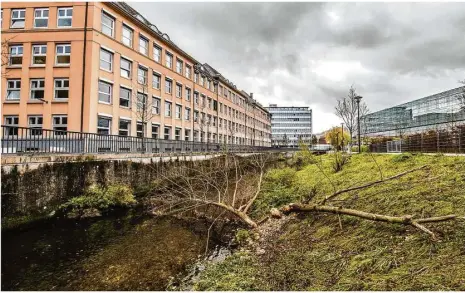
60	124
106	92
39	55
104	125
127	38
41	15
37	89
107	61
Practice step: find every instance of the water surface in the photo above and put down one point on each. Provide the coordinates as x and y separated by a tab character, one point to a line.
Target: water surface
122	251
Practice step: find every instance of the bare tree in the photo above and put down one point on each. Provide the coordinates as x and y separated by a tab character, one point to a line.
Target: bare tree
5	56
218	185
144	108
346	109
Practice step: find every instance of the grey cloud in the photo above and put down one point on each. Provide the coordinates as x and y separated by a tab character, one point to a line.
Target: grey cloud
407	50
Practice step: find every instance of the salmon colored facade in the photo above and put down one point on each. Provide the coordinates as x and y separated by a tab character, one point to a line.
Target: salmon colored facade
85	66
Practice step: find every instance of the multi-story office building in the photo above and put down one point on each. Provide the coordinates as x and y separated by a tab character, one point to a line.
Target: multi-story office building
289	125
438	111
101	67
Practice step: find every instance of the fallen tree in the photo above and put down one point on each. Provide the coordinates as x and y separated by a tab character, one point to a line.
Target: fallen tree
404	220
217	186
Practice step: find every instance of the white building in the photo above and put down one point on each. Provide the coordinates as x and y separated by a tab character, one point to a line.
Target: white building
289	125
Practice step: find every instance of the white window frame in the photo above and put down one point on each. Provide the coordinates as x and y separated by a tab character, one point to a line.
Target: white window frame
104	93
36	89
60	124
128	130
36	127
65	17
179	90
188	71
144	78
187	113
176	136
157	49
146	47
125	39
154	79
16	88
62	54
112	28
157	136
140	133
14	53
126	99
18	18
170	82
169	132
125	70
102	50
188	94
169	60
62	87
14	122
42	12
40	54
156	105
179	66
168	109
178	111
102	127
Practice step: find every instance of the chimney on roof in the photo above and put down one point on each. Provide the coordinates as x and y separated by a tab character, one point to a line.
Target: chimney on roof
251	95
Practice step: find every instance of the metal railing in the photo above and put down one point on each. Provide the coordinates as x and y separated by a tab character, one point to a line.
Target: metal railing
23	140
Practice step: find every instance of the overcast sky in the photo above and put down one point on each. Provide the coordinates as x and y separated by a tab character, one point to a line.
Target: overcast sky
309	54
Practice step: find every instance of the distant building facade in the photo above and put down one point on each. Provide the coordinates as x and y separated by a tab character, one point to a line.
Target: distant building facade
289	125
434	112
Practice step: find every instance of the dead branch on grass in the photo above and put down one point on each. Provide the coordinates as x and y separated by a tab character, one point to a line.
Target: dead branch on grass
405	220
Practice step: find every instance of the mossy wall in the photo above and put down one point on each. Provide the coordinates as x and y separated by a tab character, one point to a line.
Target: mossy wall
38	192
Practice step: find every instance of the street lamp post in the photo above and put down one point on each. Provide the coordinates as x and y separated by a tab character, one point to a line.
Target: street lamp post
357	99
342	139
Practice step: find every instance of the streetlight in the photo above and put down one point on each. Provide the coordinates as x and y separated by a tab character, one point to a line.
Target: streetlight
357	99
342	134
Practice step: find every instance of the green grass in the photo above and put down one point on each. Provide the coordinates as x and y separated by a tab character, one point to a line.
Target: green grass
311	252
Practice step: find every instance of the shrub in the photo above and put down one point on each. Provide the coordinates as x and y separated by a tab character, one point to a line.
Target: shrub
339	161
402	157
101	198
242	235
364	148
282	176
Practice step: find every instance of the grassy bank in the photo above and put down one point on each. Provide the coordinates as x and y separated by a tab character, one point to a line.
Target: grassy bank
321	252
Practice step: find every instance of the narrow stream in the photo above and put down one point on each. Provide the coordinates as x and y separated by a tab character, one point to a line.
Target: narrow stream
125	250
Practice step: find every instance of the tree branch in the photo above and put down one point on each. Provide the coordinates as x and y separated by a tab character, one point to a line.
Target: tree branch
404	220
371	183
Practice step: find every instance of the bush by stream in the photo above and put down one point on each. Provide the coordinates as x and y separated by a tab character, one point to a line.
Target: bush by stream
97	198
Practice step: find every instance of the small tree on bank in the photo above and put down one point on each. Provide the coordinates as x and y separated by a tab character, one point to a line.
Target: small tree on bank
347	110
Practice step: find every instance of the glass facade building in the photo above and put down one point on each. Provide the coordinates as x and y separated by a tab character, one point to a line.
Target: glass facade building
289	125
439	111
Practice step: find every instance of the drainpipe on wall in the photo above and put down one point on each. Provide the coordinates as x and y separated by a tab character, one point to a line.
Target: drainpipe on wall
84	68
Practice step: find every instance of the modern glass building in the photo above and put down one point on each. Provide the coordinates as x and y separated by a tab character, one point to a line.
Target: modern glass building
289	125
439	111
